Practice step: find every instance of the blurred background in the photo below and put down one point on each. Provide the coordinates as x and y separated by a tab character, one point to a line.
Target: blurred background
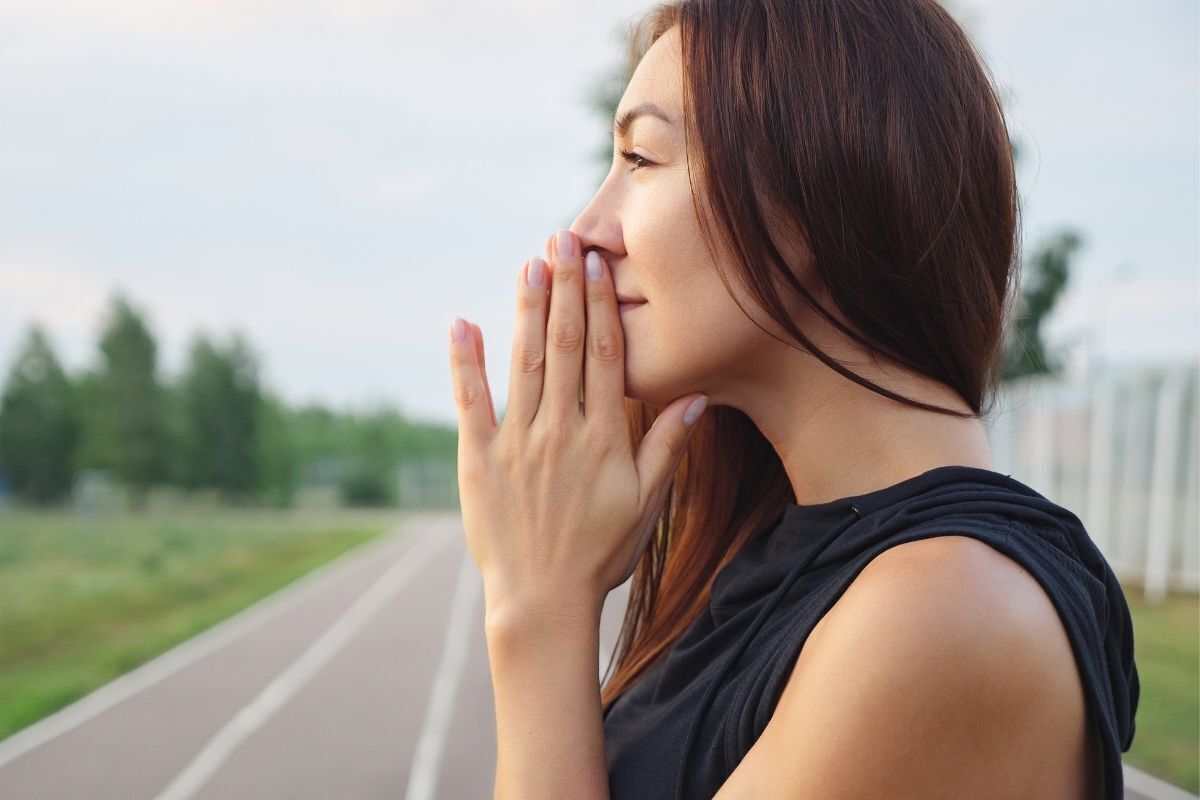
232	239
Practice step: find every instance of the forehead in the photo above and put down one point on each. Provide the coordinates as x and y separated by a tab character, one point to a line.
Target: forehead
658	78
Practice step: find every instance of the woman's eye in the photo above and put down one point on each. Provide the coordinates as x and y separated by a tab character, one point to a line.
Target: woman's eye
635	159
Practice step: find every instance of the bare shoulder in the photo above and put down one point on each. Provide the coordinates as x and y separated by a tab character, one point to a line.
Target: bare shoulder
943	670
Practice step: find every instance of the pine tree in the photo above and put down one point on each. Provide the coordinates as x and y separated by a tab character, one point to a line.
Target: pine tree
39	430
126	428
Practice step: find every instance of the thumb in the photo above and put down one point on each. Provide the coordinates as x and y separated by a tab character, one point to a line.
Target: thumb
664	443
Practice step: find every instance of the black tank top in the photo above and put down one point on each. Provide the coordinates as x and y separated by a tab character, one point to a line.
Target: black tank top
684	726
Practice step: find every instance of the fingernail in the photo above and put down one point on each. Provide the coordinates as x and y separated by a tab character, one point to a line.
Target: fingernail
566	244
591	265
693	411
459	329
535	273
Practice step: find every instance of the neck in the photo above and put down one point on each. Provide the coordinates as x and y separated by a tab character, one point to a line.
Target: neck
837	438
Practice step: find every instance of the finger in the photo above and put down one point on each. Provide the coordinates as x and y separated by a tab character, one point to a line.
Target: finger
604	360
663	446
474	418
477	335
529	343
550	247
565	331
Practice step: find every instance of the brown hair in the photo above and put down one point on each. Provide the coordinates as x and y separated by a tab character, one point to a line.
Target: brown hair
873	129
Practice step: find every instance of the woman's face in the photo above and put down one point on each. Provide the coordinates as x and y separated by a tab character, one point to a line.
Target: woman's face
689	335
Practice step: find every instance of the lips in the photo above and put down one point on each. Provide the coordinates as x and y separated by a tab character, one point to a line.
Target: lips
630	300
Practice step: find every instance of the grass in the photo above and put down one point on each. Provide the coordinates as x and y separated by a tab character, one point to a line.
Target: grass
1166	648
86	599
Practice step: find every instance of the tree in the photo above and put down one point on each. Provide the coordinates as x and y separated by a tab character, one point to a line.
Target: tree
1024	351
371	477
220	404
39	431
126	432
276	454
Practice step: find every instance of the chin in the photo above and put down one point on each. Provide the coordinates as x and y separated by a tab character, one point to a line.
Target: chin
642	386
638	391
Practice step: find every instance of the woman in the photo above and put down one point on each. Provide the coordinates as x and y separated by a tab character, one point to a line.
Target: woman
811	222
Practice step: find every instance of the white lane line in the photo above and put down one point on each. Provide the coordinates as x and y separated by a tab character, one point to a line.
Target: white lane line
422	778
188	652
1151	787
252	716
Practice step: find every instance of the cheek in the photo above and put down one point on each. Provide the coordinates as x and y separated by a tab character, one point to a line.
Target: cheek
691	334
685	341
661	232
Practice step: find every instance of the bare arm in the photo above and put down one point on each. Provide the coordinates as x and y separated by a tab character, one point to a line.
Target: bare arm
546	683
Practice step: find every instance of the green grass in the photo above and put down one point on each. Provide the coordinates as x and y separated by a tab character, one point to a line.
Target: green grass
84	600
1166	648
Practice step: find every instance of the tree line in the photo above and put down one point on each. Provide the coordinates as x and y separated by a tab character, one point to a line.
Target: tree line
214	428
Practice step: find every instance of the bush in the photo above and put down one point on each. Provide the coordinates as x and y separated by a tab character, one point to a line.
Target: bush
365	486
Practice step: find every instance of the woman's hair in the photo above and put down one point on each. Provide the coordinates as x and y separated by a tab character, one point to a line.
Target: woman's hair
871	130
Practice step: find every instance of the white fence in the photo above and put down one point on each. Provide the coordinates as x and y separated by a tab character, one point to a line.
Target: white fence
1119	449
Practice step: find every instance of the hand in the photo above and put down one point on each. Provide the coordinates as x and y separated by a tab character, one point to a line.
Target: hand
556	506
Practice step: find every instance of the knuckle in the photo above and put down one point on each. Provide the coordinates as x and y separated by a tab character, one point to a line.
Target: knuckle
676	442
567	273
598	293
601	444
566	335
551	437
508	459
528	360
605	345
463	357
468	395
529	300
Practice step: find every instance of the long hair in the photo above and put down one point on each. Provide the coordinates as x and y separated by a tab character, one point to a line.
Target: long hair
870	128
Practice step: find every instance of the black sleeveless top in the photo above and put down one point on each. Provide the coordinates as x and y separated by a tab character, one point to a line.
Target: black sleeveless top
684	726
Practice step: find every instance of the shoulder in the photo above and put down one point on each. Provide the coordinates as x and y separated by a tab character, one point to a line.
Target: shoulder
943	669
926	600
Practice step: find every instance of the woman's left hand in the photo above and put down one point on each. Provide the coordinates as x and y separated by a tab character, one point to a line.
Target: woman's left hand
557	508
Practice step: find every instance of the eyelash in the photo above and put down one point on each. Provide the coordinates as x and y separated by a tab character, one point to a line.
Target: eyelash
633	158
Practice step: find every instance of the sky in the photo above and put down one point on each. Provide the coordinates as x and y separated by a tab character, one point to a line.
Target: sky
336	180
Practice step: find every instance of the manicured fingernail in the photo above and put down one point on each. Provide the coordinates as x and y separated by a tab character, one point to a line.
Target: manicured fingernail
693	411
592	266
535	273
566	244
459	329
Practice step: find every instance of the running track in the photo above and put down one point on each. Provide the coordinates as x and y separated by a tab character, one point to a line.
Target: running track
368	678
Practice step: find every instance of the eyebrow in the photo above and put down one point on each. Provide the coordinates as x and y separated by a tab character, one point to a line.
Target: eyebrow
625	121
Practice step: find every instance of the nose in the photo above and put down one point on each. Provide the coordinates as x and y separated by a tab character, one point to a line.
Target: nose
598	225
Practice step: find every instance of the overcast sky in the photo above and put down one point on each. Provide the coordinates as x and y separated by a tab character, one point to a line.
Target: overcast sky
337	180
